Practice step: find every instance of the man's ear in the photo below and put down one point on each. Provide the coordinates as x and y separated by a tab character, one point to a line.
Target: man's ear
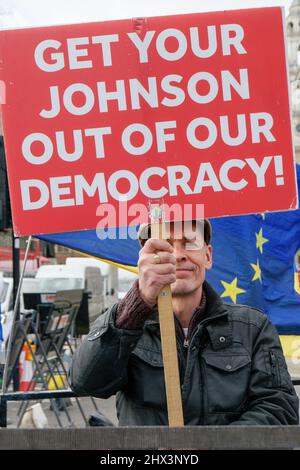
208	257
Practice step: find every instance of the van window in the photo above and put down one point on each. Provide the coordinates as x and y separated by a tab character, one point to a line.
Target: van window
59	283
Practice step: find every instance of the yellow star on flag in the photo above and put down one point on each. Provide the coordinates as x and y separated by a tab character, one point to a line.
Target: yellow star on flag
257	271
260	240
231	290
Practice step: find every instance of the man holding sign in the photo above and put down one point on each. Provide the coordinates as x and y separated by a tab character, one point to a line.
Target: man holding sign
178	108
232	369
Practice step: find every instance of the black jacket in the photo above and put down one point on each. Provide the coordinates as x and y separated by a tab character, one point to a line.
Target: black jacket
233	371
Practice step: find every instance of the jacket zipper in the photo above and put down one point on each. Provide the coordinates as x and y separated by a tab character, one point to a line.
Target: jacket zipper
184	350
184	347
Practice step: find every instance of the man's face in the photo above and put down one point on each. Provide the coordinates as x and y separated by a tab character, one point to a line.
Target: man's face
193	257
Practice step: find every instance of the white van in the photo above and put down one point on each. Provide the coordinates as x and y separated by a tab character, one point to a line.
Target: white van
6	300
59	277
116	281
86	273
108	287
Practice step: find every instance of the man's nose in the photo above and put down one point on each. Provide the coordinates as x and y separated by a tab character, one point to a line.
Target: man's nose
179	252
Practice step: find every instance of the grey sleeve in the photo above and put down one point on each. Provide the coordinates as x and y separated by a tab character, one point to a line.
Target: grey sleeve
99	365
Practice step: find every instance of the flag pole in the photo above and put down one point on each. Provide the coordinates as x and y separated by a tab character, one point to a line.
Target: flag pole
167	331
16	307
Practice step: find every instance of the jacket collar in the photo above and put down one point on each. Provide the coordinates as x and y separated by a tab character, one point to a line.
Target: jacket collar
214	305
215	320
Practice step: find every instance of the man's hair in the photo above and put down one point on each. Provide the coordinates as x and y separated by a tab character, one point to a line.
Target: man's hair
145	231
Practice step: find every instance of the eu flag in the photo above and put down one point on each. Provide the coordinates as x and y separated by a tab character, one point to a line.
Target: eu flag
254	264
253	260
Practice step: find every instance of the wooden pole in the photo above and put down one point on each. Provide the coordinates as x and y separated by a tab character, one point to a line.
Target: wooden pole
168	342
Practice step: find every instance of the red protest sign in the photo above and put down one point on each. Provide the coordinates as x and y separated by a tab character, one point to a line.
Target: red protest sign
189	108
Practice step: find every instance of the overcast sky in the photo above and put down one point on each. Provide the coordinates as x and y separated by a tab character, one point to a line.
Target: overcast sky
19	13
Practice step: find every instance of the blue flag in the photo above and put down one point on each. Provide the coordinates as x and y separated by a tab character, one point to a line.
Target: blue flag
253	260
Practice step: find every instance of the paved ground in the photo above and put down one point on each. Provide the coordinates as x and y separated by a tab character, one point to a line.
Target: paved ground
107	407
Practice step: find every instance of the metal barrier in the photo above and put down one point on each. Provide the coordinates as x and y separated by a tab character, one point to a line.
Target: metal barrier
25	396
190	437
153	438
